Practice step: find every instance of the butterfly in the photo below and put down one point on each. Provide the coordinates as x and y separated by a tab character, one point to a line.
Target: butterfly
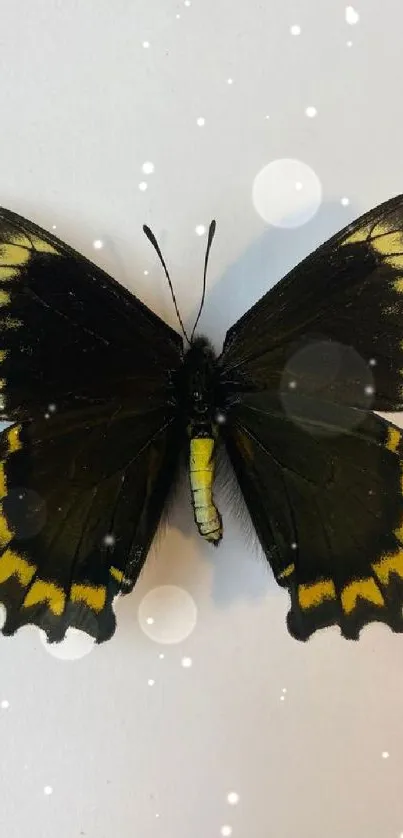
104	399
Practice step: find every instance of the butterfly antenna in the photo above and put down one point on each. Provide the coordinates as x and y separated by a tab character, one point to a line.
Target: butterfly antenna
153	240
211	233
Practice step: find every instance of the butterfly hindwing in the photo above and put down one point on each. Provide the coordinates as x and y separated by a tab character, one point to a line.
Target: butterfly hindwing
320	473
86	467
324	490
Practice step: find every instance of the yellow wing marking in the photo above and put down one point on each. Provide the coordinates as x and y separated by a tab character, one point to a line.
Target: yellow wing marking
4	298
94	597
10	323
43	246
8	273
287	572
3	484
5	533
309	596
359	235
13	254
3	354
388	564
393	440
13	439
117	574
360	589
12	564
46	592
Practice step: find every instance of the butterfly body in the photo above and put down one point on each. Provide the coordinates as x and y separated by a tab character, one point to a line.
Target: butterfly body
102	398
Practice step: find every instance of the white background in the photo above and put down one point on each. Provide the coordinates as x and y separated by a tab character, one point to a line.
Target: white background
147	737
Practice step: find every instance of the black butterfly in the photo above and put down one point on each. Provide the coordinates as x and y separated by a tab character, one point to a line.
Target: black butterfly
103	398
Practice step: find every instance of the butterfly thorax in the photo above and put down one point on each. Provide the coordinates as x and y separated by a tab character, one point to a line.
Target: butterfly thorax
198	398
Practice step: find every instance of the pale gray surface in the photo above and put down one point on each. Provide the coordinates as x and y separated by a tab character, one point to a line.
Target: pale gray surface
82	106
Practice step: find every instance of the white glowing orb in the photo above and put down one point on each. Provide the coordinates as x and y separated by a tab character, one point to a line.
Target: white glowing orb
167	614
276	198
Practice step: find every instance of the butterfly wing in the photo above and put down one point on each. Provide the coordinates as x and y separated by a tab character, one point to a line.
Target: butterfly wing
320	473
86	467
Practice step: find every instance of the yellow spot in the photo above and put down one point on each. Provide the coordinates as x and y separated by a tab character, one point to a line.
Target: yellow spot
387	244
46	592
13	254
360	589
10	323
393	439
359	235
310	596
4	298
94	597
2	383
43	246
3	484
11	564
287	572
391	563
5	533
8	273
117	574
3	354
13	439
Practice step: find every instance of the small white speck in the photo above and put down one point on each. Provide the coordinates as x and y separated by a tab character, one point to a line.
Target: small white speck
349	43
230	81
151	682
186	663
284	690
145	273
369	391
143	186
150	621
46	415
161	656
53	226
226	830
52	407
201	121
298	185
146	44
282	697
148	167
267	116
177	17
372	362
345	202
295	29
5	704
385	754
109	539
352	16
292	385
294	545
97	244
48	790
156	815
200	229
233	798
311	111
187	3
